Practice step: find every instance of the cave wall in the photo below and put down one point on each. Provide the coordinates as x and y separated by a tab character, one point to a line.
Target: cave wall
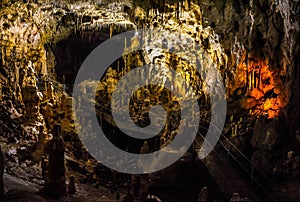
260	42
237	34
262	29
34	57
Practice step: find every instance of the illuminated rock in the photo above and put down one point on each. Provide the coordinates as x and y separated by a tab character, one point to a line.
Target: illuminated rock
145	148
248	103
68	120
31	100
256	93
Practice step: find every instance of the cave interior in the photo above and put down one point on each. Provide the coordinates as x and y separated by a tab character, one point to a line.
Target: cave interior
231	67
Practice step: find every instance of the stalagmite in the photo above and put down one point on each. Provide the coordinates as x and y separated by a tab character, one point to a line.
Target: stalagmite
253	79
129	194
235	129
55	184
145	148
259	78
44	166
110	30
56	29
235	197
71	186
144	186
1	174
31	100
203	195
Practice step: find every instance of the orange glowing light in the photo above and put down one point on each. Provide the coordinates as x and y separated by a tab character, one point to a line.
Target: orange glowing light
256	93
263	84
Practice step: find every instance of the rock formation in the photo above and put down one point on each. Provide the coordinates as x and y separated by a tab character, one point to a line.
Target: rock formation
255	45
55	179
1	174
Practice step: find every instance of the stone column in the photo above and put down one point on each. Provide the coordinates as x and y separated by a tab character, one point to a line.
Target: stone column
1	174
55	184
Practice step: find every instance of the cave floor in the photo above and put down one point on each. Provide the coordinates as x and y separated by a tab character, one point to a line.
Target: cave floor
21	190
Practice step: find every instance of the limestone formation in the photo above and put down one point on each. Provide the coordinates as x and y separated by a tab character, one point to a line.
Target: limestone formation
1	174
254	44
30	75
144	187
46	109
71	186
67	121
55	182
134	185
42	134
12	110
145	148
50	91
44	166
129	197
235	197
297	135
266	134
31	100
203	195
262	161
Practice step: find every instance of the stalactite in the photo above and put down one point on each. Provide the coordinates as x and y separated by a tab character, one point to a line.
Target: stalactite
163	9
247	72
110	30
259	78
125	43
176	11
181	8
249	78
253	79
